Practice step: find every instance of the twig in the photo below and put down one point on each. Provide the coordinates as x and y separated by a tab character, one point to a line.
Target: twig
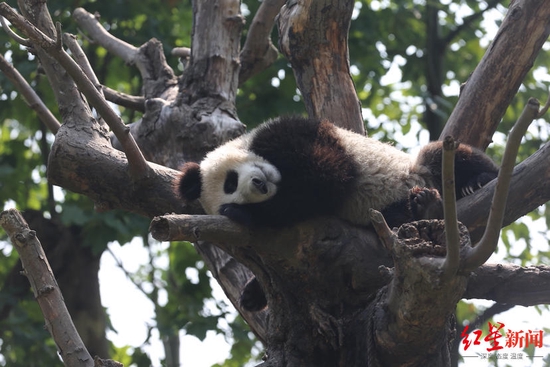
452	259
488	313
467	22
181	52
384	232
544	109
127	273
133	102
46	291
137	165
487	245
95	31
30	96
12	34
81	59
258	51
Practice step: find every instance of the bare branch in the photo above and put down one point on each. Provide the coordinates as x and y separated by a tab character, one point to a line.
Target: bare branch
46	291
382	230
313	35
81	58
467	21
487	245
90	24
544	109
12	34
499	74
258	51
212	228
133	102
30	96
181	52
136	162
452	239
511	284
147	58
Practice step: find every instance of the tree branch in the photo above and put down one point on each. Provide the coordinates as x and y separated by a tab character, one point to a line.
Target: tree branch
149	59
499	74
211	228
314	38
46	290
258	52
452	239
93	28
418	303
30	96
511	284
136	162
81	59
22	41
529	188
488	243
467	21
133	102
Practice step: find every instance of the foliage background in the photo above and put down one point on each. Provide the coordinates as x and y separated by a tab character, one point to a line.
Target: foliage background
407	72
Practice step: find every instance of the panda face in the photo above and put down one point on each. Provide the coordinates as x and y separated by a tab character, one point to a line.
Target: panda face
236	176
250	182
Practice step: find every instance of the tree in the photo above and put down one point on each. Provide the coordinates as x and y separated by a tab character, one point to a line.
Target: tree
186	116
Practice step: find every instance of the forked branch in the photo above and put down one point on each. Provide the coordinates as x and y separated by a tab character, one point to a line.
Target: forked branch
136	162
487	245
452	258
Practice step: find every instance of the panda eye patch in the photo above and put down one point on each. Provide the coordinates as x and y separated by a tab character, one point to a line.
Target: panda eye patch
231	182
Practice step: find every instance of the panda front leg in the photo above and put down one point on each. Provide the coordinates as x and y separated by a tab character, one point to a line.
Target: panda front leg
239	213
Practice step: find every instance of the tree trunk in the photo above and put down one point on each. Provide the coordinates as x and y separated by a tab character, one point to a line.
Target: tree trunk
333	300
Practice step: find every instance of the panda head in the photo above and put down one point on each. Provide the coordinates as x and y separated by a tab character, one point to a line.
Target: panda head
228	175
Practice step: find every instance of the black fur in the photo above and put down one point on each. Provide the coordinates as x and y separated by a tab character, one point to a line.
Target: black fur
473	168
316	173
189	182
253	297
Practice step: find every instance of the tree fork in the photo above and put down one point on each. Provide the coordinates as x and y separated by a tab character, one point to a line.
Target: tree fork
314	38
500	73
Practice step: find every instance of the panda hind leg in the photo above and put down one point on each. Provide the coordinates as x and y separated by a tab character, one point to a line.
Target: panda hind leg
422	203
253	297
425	203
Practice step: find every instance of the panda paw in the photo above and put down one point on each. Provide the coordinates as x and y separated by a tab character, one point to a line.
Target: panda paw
425	203
236	213
253	297
477	182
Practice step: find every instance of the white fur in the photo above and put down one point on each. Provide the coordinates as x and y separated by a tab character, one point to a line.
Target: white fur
382	166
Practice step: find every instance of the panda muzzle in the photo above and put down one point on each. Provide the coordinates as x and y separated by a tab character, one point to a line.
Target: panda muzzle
260	185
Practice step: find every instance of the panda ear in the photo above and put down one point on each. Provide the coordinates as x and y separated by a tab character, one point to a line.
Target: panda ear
189	182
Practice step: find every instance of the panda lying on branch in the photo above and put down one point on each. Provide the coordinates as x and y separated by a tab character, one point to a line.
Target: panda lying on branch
291	169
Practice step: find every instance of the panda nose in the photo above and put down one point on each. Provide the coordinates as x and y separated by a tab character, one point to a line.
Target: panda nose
260	185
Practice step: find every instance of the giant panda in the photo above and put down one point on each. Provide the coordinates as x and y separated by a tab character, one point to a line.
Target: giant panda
292	168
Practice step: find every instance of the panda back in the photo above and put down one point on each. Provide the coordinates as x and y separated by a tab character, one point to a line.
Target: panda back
317	172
